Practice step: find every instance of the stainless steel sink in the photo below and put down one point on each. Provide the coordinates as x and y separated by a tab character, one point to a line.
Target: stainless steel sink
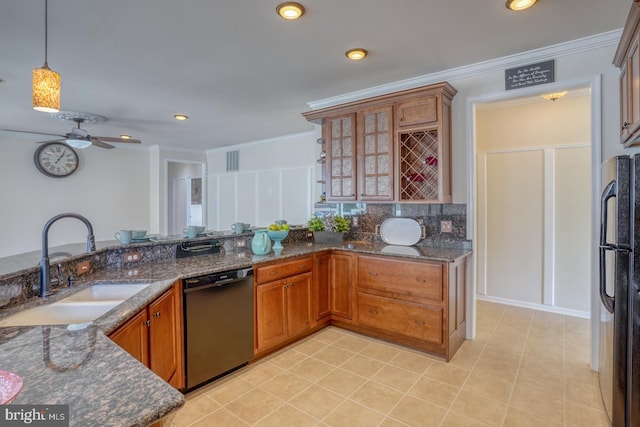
81	307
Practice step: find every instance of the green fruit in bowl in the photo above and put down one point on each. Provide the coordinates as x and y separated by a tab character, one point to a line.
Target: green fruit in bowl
284	226
274	227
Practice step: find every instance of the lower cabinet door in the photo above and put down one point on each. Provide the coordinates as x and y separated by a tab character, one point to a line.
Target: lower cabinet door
163	337
271	320
400	317
298	290
133	337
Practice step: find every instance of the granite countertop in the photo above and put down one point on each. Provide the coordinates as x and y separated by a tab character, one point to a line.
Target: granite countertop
100	381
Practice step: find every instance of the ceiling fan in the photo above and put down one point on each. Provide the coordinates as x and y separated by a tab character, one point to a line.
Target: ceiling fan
80	138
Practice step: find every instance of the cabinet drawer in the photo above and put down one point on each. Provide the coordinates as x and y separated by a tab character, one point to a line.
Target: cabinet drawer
405	318
416	279
283	269
417	112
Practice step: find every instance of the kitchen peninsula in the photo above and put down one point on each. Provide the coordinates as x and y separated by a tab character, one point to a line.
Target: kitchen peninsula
100	381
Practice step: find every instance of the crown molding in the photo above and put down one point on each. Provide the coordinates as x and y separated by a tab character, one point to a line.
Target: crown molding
554	51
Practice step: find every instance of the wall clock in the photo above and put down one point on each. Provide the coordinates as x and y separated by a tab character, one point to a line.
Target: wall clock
56	159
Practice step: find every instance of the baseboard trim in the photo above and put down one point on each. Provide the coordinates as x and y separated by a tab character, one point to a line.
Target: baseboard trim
534	306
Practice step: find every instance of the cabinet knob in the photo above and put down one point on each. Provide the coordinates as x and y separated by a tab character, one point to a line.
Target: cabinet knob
156	314
319	262
400	119
147	322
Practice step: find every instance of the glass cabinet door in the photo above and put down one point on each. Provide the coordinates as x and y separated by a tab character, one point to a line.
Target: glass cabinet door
375	154
341	158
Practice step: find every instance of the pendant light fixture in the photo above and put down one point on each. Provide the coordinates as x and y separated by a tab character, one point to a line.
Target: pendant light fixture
46	82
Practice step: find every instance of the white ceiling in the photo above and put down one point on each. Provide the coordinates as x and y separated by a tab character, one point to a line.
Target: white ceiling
240	72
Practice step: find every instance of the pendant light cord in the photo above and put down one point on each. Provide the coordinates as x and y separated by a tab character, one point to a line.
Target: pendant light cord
46	32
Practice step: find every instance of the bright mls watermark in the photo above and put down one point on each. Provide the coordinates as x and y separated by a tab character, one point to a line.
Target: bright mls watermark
34	415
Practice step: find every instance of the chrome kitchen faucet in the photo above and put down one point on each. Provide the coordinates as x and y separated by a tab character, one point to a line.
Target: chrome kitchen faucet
45	274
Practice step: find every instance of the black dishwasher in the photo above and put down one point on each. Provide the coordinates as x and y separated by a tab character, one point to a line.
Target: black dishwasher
218	324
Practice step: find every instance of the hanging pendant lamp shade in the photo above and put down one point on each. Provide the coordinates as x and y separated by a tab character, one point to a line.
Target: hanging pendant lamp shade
46	90
46	82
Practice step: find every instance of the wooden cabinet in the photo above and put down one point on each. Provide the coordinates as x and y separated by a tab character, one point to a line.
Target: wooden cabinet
627	58
394	147
341	286
154	336
417	303
283	302
320	301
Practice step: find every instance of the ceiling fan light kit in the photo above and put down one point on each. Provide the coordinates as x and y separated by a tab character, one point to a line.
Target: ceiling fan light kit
46	82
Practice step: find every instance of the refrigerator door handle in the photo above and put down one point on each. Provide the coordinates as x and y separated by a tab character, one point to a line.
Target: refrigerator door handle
609	192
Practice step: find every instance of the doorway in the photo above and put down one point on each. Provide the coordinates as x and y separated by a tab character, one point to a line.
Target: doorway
186	204
591	121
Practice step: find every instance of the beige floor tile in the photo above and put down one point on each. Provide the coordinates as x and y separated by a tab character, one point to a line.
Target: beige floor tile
538	403
377	396
584	416
413	362
309	346
418	413
317	401
390	422
456	420
396	378
286	359
226	391
582	386
259	373
435	392
342	382
490	386
285	385
254	405
352	414
329	335
479	407
362	365
334	355
505	370
447	373
467	355
221	417
519	418
312	369
352	343
542	373
380	351
287	416
194	409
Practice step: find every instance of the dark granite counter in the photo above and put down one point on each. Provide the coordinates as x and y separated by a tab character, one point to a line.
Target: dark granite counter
103	385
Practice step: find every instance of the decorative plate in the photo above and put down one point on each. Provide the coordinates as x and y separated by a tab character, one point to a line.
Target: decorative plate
10	386
400	231
400	250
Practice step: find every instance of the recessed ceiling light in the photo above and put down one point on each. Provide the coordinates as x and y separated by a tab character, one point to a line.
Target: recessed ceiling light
356	54
180	116
125	136
520	4
290	10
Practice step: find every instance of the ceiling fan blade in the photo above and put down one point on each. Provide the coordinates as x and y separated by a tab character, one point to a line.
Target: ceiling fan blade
37	133
95	141
110	139
50	140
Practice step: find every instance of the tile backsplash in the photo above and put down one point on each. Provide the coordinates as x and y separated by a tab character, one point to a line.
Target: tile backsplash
365	218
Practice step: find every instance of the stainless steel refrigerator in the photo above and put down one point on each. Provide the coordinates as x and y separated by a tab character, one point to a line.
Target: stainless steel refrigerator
619	370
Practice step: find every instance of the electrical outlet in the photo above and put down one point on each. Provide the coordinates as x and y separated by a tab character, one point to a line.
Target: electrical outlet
446	227
83	267
241	243
132	256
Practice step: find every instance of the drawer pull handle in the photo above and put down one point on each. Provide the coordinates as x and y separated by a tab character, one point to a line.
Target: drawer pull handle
419	322
418	279
373	273
373	312
273	273
302	266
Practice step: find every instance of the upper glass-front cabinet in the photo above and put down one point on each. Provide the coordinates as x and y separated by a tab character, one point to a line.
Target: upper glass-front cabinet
375	155
341	158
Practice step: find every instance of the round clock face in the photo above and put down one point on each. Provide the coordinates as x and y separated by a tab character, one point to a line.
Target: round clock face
56	159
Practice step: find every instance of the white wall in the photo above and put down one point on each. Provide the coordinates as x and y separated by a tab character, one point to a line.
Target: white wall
275	180
110	188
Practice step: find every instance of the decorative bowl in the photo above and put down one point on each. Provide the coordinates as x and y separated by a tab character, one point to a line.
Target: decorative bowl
277	236
10	386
